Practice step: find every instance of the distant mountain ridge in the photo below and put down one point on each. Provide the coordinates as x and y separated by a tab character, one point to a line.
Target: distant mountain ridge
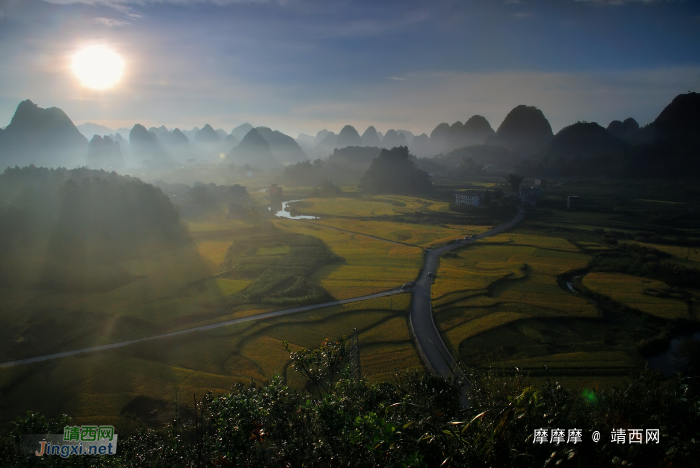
89	129
253	150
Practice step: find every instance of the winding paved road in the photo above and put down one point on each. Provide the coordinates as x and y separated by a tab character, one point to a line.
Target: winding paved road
430	345
432	349
266	315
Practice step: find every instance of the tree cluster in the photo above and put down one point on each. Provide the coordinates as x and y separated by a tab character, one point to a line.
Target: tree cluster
419	421
394	172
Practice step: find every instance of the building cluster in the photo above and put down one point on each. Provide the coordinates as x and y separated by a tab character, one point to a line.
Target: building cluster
475	199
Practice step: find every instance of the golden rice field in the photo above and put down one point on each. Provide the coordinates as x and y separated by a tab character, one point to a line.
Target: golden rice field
384	205
370	265
650	296
407	233
489	290
105	387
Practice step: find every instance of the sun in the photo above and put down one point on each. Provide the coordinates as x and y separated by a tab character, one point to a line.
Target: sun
98	67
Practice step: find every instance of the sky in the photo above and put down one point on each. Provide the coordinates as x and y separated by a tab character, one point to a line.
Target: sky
305	65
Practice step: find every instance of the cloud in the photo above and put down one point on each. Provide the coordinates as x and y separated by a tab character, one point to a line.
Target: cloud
396	78
110	22
522	15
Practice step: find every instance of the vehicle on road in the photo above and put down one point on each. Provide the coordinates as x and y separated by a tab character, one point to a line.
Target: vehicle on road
430	273
408	285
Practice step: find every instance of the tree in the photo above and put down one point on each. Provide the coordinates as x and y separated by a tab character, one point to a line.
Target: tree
487	198
393	172
514	181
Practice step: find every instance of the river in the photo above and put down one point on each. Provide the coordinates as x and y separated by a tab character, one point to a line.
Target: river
283	213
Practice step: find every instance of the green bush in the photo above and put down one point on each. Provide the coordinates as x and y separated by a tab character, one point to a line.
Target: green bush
420	421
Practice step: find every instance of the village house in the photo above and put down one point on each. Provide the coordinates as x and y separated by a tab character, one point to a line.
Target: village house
468	199
275	191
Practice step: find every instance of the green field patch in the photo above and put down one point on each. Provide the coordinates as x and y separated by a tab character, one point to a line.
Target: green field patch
279	250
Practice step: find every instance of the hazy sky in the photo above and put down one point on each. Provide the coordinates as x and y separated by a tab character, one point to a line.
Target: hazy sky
304	65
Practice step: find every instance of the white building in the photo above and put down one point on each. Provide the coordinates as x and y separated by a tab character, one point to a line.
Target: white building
468	199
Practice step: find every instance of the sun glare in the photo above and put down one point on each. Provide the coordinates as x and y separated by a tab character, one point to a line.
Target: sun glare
98	67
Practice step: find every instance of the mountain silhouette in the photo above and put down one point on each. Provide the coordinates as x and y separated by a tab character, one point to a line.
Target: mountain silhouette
178	138
253	150
348	136
393	139
438	137
326	143
421	146
229	143
680	117
241	131
283	147
476	130
207	136
147	149
89	129
669	146
493	157
623	130
583	140
370	137
43	137
222	134
306	143
320	136
190	134
525	131
454	136
393	171
407	134
160	132
104	153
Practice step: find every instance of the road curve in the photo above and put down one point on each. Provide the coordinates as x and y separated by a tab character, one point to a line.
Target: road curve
432	349
266	315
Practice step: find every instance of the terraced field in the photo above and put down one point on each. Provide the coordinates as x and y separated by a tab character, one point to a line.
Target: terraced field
497	303
148	378
650	296
369	265
384	205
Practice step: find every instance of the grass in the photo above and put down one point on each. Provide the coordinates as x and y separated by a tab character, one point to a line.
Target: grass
653	297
